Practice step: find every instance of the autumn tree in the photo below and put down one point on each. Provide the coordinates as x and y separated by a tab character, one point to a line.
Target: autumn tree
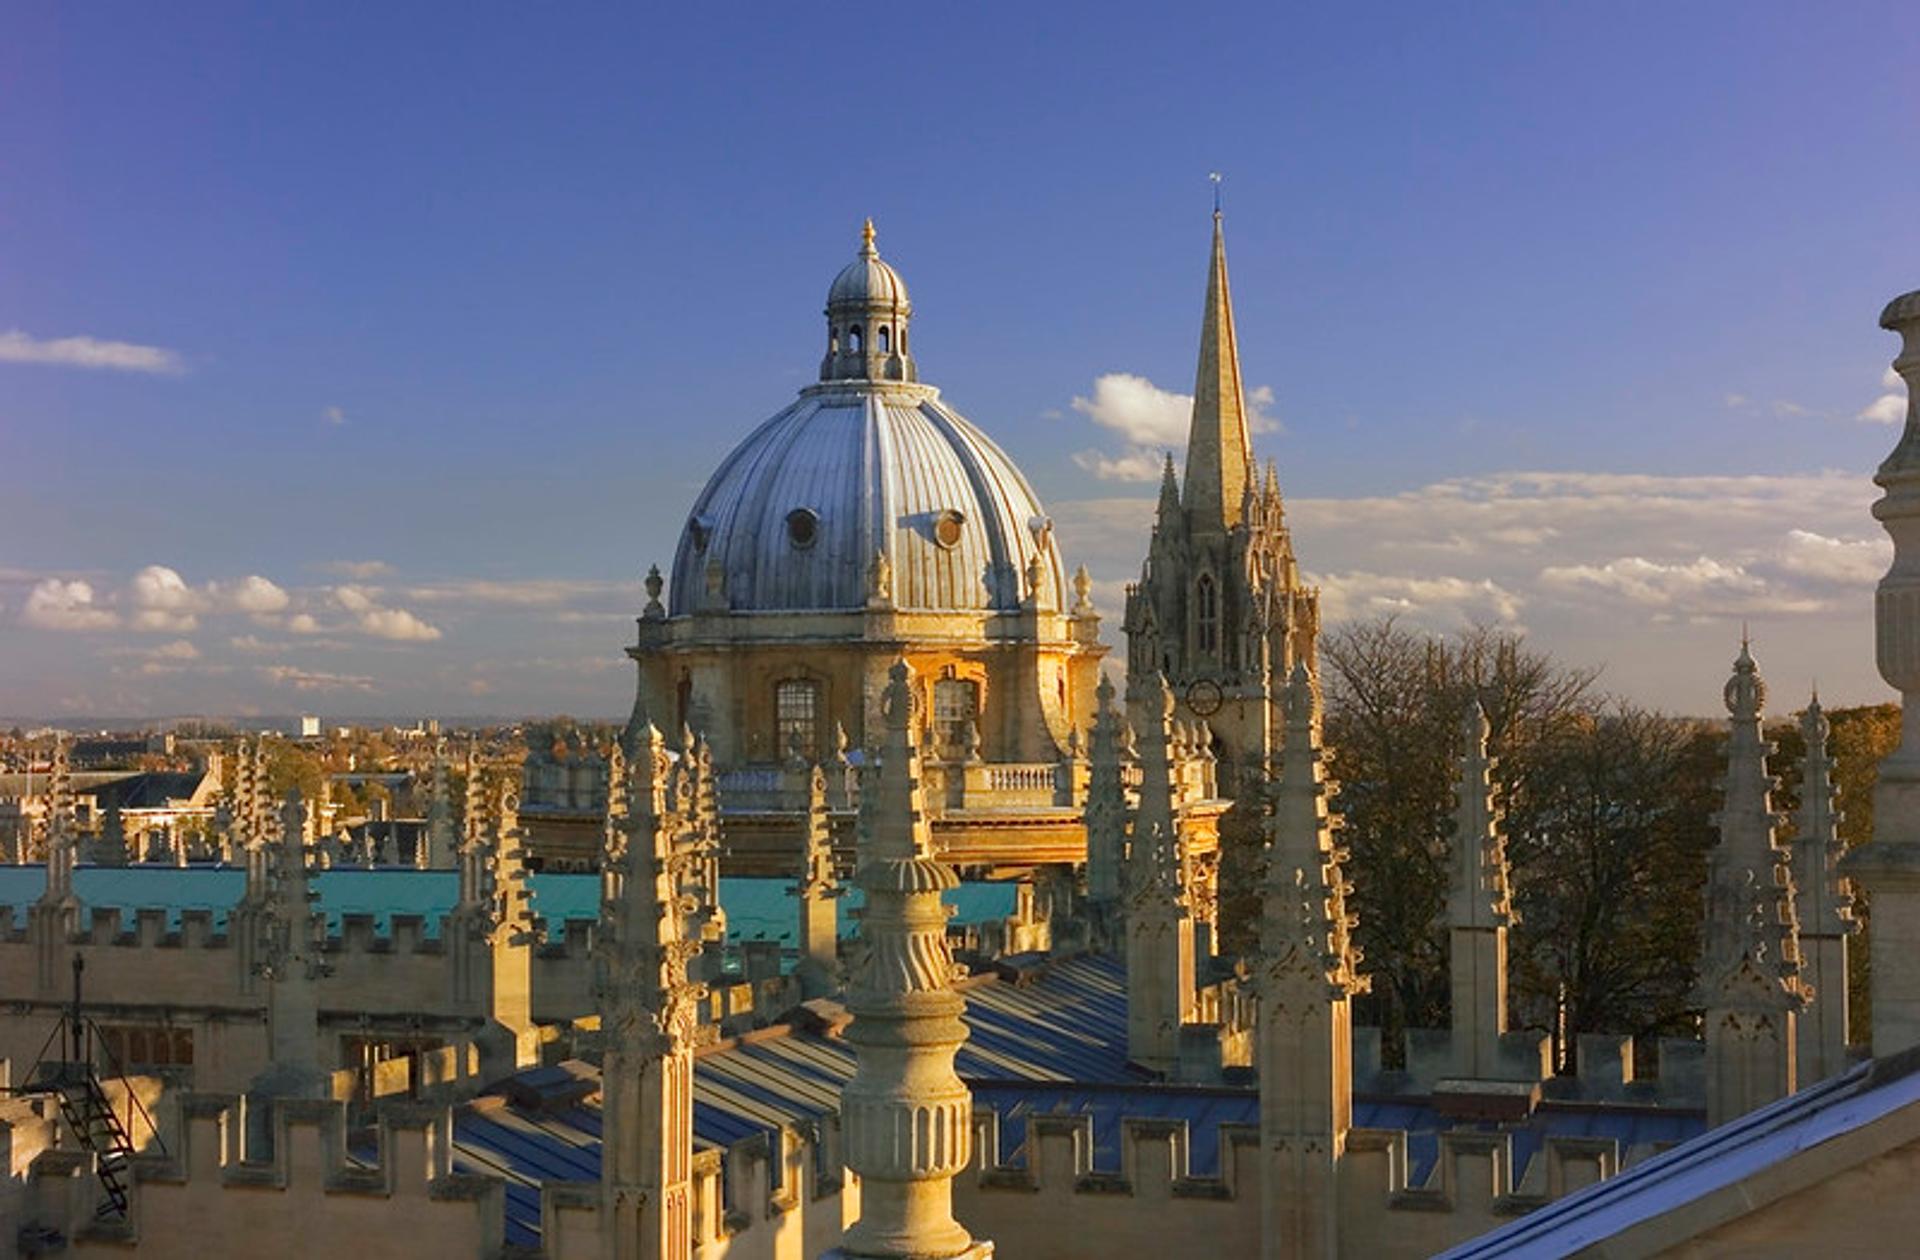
1393	701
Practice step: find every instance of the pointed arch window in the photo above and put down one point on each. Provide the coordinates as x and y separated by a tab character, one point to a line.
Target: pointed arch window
1207	614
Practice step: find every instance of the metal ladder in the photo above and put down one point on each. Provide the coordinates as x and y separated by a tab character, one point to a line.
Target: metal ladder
87	1112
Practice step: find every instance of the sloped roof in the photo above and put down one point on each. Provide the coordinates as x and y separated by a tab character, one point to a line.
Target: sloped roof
1717	1160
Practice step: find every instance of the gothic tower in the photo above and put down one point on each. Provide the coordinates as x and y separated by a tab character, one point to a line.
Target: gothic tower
1220	608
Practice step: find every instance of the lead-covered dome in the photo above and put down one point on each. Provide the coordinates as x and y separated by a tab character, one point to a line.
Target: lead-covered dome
794	517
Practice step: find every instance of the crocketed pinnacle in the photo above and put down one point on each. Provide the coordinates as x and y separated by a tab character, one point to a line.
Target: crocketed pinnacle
1480	894
1825	900
1155	865
1306	930
1750	923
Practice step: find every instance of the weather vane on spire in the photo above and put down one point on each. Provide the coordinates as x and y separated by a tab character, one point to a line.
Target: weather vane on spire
1215	177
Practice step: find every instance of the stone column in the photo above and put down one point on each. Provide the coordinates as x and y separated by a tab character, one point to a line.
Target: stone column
649	1018
1889	867
1824	906
1750	983
1307	976
1479	910
908	1117
1160	968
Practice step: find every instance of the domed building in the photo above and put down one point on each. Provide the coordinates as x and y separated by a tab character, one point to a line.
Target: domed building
868	521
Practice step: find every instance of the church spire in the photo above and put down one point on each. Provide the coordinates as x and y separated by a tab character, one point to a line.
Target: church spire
1219	450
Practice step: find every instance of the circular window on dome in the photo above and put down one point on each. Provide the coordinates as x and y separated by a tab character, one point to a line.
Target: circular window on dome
803	526
947	527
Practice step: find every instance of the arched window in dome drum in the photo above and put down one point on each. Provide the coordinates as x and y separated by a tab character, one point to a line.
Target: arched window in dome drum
853	338
1207	614
884	339
796	718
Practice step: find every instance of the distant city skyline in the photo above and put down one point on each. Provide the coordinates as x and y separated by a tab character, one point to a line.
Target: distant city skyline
340	377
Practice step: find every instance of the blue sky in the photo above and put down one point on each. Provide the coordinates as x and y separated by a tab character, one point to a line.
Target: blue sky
431	320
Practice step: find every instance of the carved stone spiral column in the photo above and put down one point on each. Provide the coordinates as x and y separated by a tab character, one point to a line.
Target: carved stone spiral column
908	1116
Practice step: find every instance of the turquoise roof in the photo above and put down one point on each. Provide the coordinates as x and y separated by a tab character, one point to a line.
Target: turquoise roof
757	909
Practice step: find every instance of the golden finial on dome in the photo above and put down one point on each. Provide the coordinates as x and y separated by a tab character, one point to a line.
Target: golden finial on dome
866	238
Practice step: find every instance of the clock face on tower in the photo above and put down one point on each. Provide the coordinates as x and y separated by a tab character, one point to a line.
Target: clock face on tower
1203	697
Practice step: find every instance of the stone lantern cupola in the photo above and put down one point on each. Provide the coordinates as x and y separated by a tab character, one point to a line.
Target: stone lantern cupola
867	316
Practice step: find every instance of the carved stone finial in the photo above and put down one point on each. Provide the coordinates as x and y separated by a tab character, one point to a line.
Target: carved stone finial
1082	592
880	580
655	610
1746	691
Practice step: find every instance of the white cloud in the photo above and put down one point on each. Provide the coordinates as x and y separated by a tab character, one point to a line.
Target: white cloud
1138	410
397	623
359	570
1852	561
252	594
334	416
1653	584
61	605
313	680
163	601
1137	464
1438	602
1650	573
303	623
526	593
88	352
178	650
1260	417
381	622
1153	421
1891	406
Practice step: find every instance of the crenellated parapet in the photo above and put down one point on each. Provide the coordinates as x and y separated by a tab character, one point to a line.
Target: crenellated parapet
1154	1185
